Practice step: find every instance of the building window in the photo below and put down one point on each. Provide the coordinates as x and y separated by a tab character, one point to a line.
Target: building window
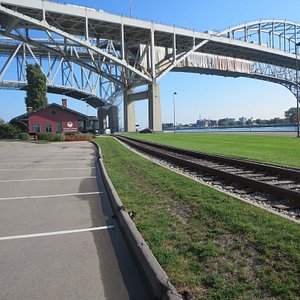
48	128
81	125
96	125
89	125
58	127
53	112
36	128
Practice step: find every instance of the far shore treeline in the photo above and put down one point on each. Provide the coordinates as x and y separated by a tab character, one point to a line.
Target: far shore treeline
290	118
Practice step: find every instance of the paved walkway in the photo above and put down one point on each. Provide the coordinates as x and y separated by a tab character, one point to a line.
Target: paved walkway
57	237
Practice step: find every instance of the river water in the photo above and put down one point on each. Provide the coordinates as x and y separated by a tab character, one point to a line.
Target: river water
241	129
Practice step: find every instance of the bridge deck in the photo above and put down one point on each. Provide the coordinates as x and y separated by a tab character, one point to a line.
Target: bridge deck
72	20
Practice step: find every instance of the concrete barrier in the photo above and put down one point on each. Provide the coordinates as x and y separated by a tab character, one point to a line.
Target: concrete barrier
155	277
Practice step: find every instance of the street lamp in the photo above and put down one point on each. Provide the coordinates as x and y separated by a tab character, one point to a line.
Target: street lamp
87	109
174	111
297	89
130	9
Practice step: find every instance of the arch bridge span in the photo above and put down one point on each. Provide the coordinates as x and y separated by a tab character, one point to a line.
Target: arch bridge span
97	55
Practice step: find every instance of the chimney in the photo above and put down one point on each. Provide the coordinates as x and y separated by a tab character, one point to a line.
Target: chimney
64	103
29	109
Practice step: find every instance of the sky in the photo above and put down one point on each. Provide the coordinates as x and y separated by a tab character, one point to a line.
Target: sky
205	96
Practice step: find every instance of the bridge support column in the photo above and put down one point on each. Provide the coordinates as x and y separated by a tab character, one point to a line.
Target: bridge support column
129	112
108	118
154	110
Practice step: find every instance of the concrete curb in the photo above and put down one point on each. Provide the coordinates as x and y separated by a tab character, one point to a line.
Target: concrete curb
157	280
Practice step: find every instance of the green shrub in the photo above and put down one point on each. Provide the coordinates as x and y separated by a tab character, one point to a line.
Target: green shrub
50	136
46	136
24	136
59	137
87	136
8	130
78	137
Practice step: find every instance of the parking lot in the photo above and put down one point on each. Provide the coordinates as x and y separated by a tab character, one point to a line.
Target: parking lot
58	239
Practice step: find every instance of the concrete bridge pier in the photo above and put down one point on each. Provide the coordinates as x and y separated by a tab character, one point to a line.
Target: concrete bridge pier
108	118
154	110
129	112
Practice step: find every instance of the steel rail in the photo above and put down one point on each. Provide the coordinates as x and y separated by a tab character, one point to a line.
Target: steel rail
187	158
292	172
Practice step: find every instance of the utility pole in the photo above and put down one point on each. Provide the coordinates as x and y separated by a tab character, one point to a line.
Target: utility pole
130	9
174	111
297	89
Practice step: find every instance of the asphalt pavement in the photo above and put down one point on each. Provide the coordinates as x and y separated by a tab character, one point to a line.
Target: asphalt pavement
58	239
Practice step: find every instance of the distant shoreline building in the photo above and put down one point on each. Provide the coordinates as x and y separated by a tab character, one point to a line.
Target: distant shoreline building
206	123
242	120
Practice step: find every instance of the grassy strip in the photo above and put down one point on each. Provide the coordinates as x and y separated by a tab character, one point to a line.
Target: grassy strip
272	149
211	245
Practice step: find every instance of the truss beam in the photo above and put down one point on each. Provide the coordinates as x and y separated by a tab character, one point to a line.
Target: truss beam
107	55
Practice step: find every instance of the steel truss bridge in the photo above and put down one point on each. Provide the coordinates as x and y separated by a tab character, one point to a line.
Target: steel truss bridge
97	57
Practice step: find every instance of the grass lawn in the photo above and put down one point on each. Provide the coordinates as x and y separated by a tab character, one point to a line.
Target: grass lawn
272	149
211	245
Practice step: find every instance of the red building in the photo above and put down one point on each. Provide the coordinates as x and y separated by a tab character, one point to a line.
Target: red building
56	118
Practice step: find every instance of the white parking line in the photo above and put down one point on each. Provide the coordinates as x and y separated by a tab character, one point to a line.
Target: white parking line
48	179
47	162
49	196
56	169
26	236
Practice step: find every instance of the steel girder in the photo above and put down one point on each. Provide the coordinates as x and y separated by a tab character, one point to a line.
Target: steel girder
231	67
124	53
59	36
276	34
63	75
70	68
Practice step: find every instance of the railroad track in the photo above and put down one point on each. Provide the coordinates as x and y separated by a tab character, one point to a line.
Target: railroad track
265	181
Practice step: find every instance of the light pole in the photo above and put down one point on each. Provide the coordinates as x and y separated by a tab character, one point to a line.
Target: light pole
130	9
297	89
174	111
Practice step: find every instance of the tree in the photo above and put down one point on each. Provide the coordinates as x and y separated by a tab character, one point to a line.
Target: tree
37	88
291	114
7	130
277	121
223	123
261	122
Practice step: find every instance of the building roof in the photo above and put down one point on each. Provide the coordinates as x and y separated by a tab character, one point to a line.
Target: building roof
27	114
